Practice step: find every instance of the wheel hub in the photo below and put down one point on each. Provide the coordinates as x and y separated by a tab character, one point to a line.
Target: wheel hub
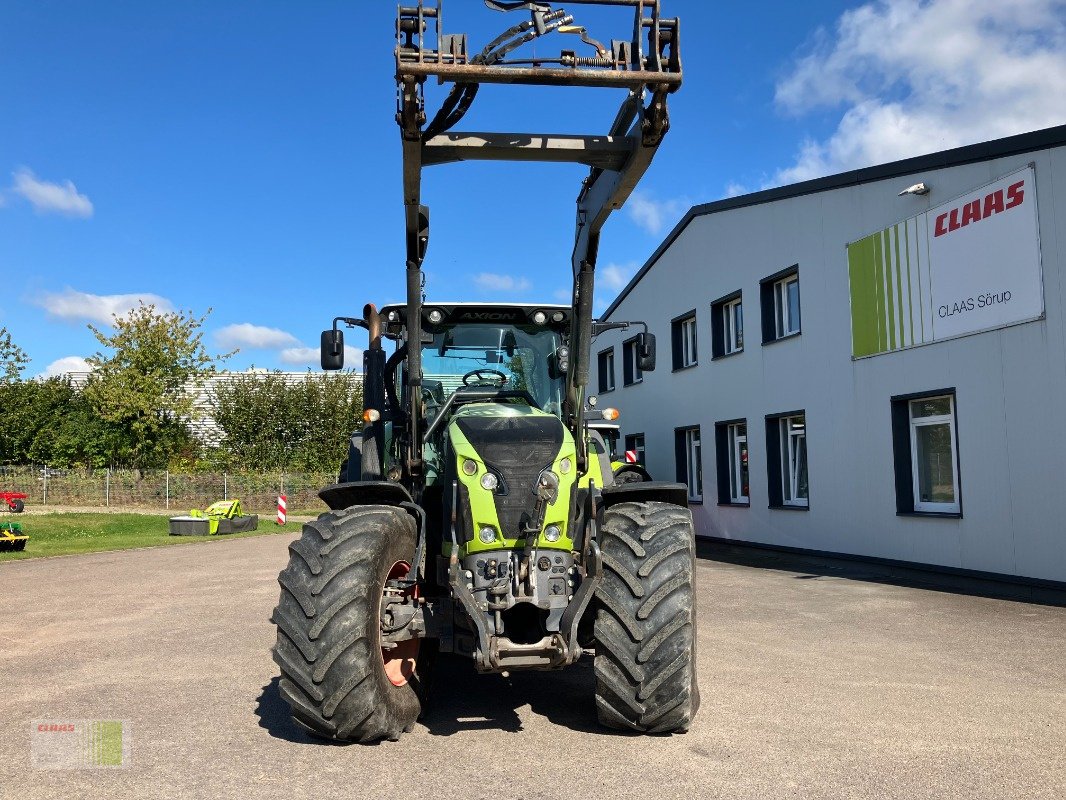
399	661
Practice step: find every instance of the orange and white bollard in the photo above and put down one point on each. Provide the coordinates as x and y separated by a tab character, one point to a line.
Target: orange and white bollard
282	508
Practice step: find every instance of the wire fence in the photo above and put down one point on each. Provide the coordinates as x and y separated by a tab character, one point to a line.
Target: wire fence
162	489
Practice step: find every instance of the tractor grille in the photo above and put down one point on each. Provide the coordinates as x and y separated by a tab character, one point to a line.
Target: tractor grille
517	448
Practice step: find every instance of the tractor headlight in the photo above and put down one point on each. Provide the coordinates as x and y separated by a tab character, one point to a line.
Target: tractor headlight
552	533
489	482
487	535
435	316
470	466
564	465
540	318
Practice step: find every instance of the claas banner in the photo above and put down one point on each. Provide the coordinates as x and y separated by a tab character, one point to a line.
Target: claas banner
969	265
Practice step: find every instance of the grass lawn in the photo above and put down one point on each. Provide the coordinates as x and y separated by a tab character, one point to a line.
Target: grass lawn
66	533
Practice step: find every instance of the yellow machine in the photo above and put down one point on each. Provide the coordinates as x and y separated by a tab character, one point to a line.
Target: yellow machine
11	537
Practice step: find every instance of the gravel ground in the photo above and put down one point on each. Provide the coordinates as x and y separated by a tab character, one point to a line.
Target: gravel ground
815	684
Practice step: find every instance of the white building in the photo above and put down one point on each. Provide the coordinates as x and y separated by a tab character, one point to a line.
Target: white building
847	369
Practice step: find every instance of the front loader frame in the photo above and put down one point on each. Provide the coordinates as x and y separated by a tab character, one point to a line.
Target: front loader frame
647	66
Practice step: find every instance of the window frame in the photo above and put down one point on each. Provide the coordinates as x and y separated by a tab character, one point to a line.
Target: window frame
632	374
683	455
904	447
726	457
732	311
684	341
609	353
719	321
779	463
774	302
641	450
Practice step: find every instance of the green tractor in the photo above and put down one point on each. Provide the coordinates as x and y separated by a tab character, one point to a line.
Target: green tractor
478	512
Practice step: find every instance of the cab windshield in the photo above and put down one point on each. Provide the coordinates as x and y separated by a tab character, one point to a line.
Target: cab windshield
508	357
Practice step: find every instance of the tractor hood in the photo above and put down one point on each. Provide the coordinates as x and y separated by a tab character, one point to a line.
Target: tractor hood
513	443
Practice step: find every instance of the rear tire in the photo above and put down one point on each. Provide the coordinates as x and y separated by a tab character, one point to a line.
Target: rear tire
645	620
329	641
17	506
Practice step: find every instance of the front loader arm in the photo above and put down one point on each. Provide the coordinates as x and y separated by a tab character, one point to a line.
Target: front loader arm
647	66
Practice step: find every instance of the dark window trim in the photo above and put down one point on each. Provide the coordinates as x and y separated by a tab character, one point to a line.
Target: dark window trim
600	353
681	457
775	464
631	342
781	275
784	414
676	344
726	298
902	457
722	456
717	325
768	308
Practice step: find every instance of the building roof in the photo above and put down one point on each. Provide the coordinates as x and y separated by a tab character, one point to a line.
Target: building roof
984	151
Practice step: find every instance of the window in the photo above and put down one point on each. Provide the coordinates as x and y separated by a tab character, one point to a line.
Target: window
926	453
605	363
631	372
689	461
731	446
780	296
786	460
683	330
727	325
733	325
635	445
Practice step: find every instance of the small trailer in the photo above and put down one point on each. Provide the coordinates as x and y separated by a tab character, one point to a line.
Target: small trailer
13	501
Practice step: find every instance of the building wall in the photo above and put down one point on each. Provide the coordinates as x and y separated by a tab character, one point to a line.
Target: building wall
1010	383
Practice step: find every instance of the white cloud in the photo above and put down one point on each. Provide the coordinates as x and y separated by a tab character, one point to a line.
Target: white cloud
74	305
309	356
493	282
917	76
563	295
47	197
253	336
734	189
615	276
61	366
653	214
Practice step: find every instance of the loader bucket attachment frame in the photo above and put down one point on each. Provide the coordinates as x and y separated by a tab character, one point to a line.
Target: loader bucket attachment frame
647	65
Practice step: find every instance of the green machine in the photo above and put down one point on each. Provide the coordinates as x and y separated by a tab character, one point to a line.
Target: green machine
11	537
478	512
225	516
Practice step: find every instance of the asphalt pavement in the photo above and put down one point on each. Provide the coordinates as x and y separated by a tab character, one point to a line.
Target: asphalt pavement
817	682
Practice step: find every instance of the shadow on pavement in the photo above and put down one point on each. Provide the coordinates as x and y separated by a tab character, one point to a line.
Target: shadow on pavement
463	700
273	713
814	566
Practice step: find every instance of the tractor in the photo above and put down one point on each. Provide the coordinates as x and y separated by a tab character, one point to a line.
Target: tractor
477	512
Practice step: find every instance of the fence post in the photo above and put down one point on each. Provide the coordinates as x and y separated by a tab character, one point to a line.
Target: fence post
225	486
168	489
45	501
107	488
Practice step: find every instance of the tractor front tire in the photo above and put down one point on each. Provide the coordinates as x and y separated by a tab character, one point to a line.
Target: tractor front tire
645	627
333	670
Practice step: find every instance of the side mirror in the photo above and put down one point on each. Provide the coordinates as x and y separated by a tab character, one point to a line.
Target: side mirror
646	351
332	351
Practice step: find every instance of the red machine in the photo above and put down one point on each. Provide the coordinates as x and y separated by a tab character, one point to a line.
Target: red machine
14	501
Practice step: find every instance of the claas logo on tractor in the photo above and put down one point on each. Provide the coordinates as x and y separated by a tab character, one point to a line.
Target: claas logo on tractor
478	511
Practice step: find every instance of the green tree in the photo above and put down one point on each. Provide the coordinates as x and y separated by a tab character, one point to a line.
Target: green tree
144	386
269	421
13	359
51	422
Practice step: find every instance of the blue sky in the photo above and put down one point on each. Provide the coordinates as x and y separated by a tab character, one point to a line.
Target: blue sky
244	157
